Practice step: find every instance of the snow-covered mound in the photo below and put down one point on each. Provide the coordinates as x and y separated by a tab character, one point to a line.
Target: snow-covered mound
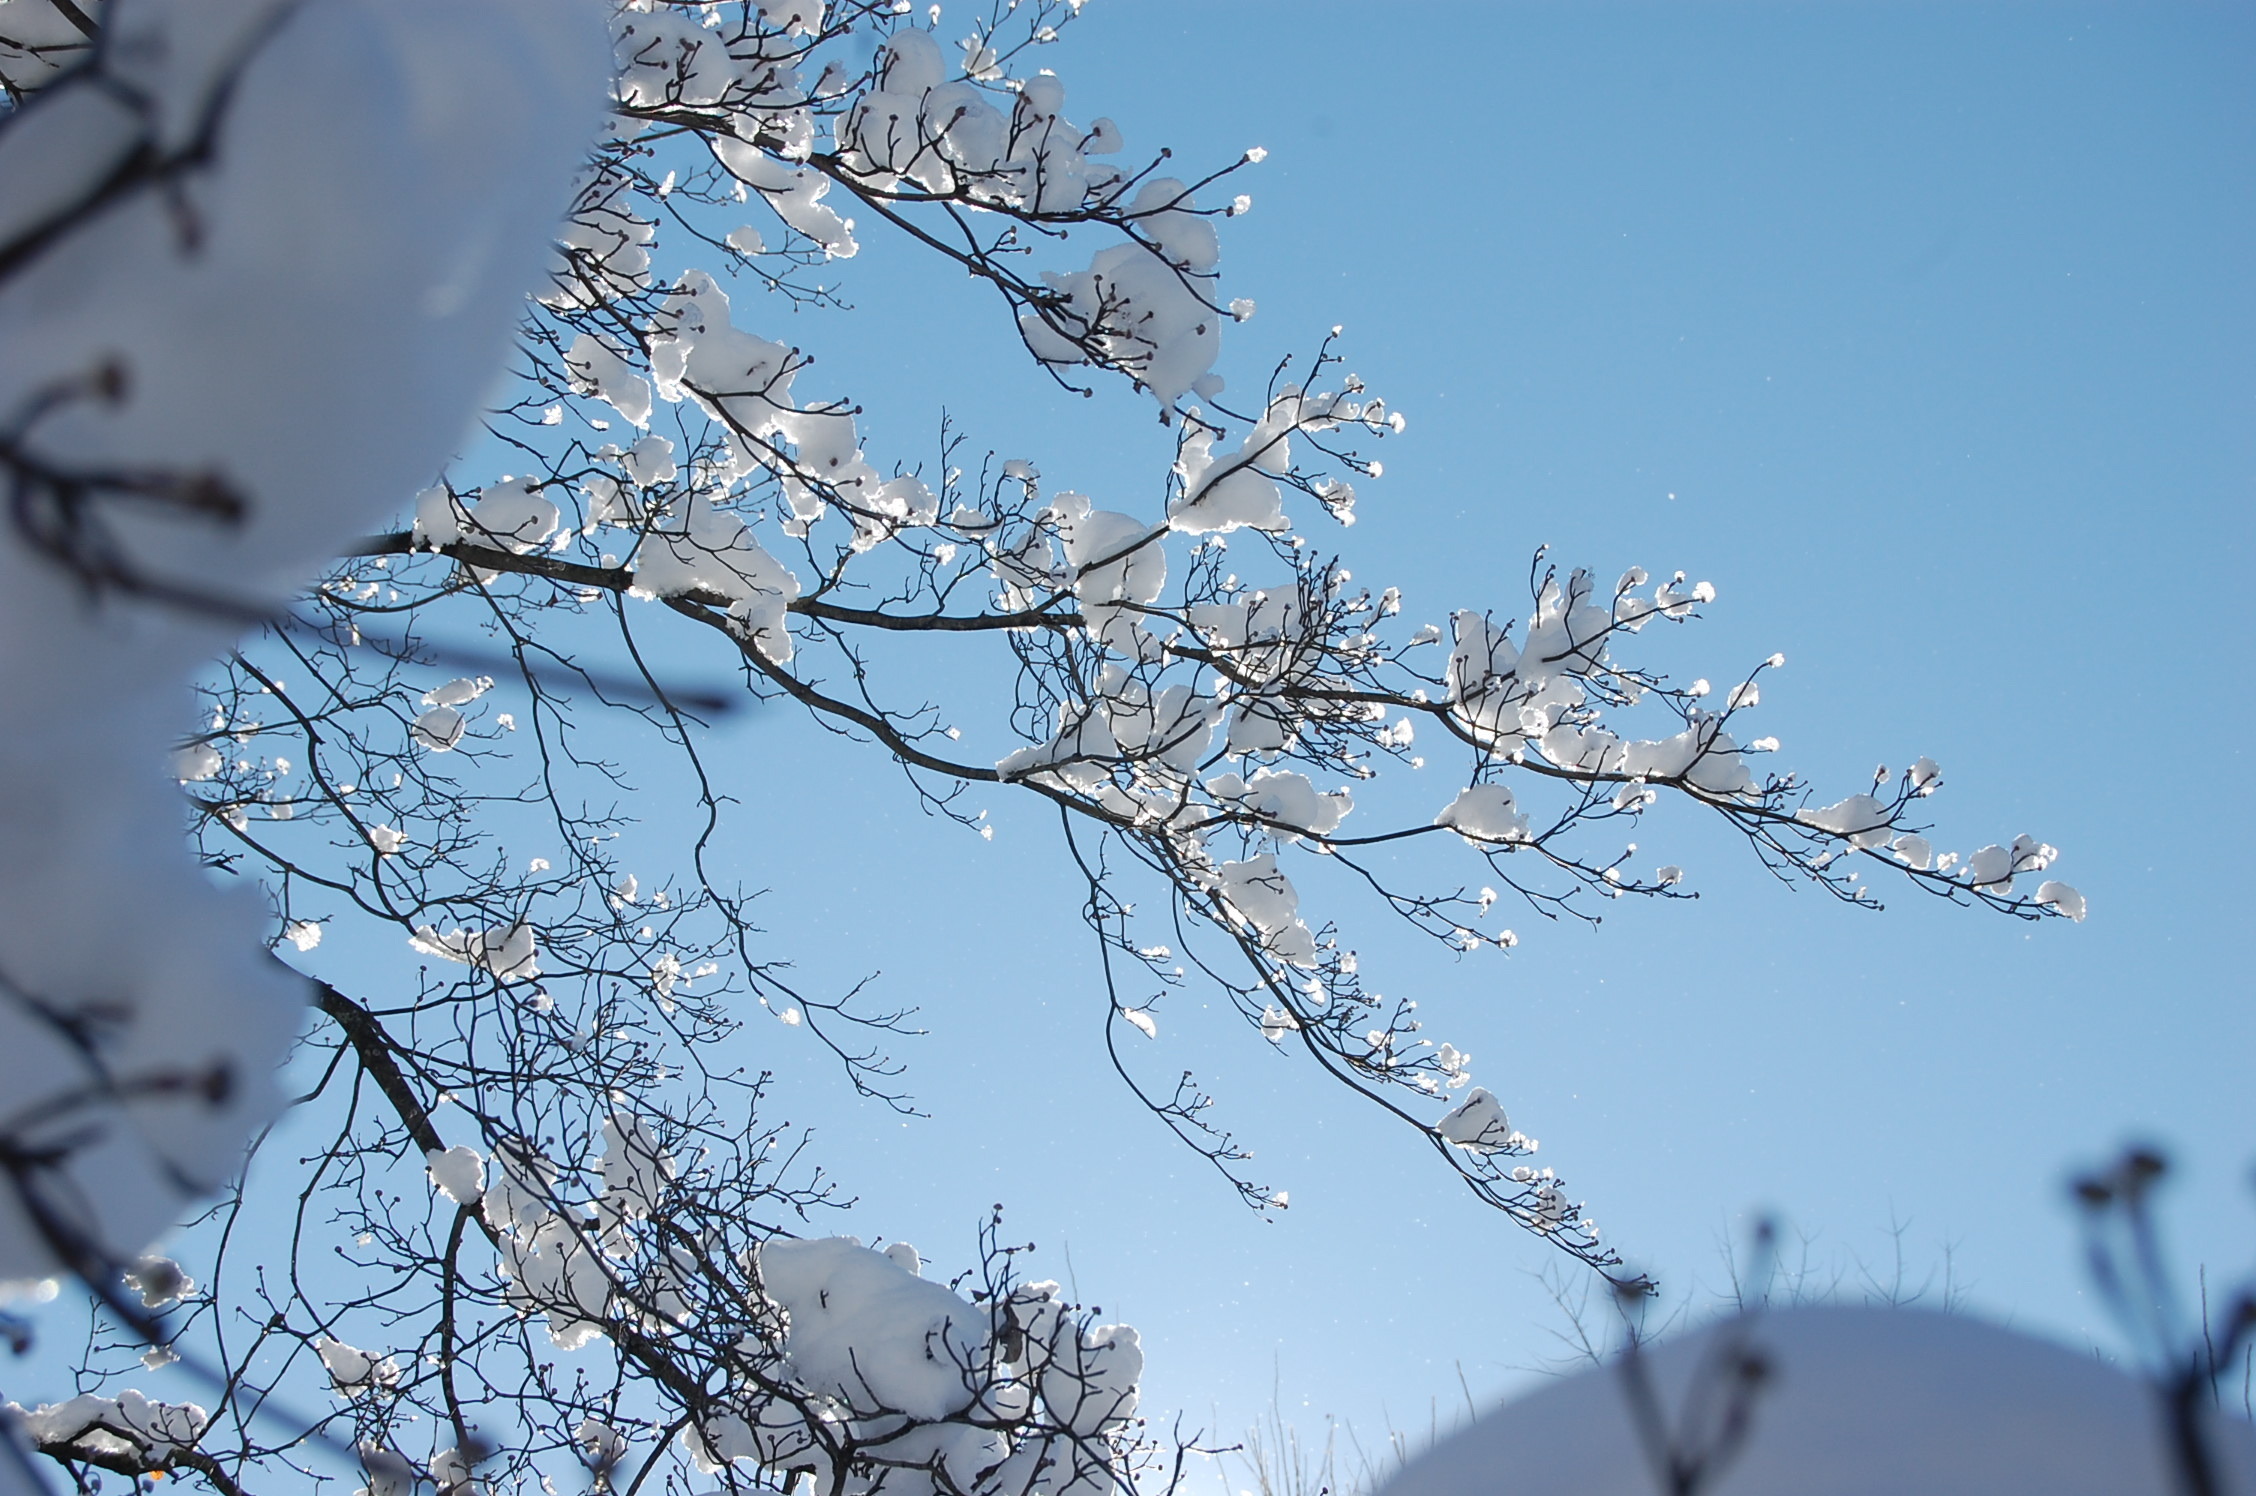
1857	1402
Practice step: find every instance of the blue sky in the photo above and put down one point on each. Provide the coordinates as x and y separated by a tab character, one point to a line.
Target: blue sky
1924	332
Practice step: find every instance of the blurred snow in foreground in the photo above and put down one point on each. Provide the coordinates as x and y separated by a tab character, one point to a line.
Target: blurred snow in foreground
1853	1402
257	263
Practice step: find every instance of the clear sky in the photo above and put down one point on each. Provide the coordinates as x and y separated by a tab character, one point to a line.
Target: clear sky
1924	331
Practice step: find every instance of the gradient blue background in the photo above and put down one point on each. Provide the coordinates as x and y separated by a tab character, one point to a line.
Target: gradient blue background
1924	332
1935	321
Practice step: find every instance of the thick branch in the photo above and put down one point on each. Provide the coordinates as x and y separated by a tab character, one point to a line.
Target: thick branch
622	579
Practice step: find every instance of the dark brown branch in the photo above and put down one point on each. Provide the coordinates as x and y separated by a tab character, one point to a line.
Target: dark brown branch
621	579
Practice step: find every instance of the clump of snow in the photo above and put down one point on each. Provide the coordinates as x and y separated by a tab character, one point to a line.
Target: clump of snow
1860	819
1087	1376
514	515
1146	306
196	763
599	370
1484	814
131	1426
1143	308
601	1445
354	1372
1265	904
869	1333
2062	899
159	1280
556	1270
1115	561
438	728
943	1393
1478	1124
1288	803
511	953
518	1190
459	1173
712	552
636	1169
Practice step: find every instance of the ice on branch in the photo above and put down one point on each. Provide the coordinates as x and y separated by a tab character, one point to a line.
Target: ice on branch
746	85
745	382
1702	756
1511	698
441	724
459	692
669	60
827	467
1233	488
293	362
669	57
550	1263
517	1196
600	1445
1163	735
1088	1377
796	194
438	518
1238	484
696	351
